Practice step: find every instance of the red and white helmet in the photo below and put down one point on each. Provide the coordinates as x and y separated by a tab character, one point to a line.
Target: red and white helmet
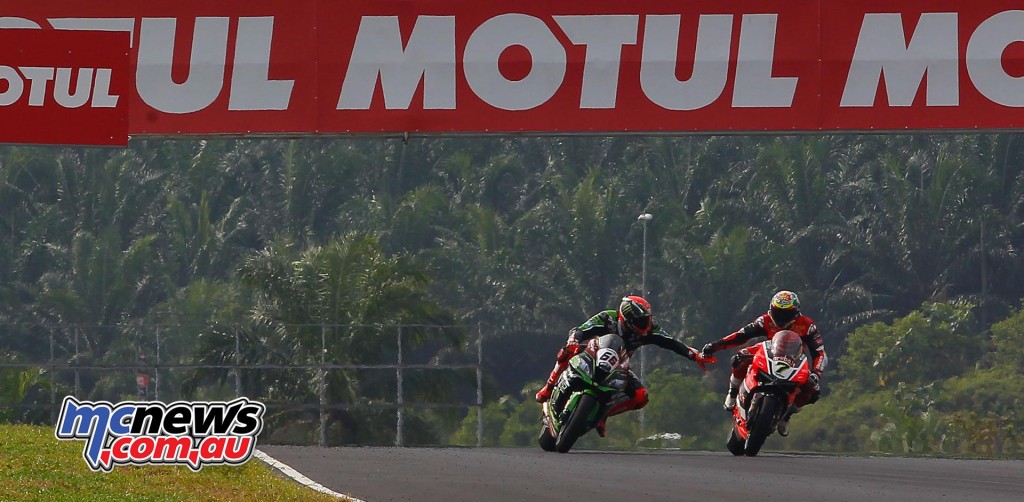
635	315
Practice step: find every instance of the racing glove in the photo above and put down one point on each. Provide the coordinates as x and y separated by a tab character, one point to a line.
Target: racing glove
699	358
709	348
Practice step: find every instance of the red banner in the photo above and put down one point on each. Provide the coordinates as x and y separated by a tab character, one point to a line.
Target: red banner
922	64
64	87
308	67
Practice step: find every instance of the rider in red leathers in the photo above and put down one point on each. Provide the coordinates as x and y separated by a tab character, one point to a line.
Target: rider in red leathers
634	322
783	314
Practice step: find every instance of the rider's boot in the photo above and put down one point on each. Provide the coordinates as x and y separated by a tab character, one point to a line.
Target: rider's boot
545	392
730	396
601	427
784	423
561	362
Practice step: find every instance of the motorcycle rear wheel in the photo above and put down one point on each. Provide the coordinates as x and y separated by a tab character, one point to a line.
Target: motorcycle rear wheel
546	440
734	444
576	425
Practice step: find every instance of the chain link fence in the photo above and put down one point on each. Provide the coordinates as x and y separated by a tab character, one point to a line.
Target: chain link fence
323	384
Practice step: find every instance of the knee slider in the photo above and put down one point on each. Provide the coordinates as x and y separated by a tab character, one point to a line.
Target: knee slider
640	398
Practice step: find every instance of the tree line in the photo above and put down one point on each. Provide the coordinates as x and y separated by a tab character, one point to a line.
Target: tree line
524	237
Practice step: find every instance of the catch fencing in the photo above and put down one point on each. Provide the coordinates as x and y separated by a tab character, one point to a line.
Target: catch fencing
323	384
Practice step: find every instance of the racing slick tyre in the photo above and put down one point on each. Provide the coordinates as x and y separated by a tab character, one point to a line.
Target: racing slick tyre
546	440
576	426
734	444
761	424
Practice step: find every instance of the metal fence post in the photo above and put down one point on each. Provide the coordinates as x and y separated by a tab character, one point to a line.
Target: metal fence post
399	438
238	362
323	385
156	370
78	360
53	382
479	386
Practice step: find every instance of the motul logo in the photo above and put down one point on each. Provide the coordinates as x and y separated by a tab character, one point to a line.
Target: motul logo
932	55
250	88
65	87
464	66
430	55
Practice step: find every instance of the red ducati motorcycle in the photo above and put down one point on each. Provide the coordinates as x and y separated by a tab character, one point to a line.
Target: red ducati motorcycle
773	380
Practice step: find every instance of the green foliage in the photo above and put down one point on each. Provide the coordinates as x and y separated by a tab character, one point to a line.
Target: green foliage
936	342
342	294
949	409
1008	339
498	414
685	405
35	467
983	409
21	386
524	237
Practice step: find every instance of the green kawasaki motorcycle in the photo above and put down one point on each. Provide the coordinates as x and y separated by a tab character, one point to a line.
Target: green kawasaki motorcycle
581	398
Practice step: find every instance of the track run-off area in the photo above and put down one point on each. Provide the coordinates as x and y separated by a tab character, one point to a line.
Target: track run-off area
380	474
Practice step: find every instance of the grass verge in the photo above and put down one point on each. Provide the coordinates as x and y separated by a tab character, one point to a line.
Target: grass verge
36	466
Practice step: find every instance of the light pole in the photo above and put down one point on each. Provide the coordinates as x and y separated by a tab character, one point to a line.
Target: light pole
643	276
644	218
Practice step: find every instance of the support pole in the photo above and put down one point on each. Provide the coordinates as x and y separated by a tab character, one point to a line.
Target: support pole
479	386
399	397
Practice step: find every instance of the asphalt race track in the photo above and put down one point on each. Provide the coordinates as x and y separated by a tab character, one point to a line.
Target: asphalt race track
501	474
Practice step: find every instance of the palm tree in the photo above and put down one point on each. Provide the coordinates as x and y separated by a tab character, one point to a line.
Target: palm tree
347	294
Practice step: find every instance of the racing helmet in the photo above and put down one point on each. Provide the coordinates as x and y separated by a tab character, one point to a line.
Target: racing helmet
787	344
635	315
784	309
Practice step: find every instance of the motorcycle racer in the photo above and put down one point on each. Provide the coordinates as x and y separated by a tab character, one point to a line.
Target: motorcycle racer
634	322
783	314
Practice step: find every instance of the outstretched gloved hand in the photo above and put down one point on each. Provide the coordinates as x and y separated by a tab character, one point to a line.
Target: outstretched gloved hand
709	348
699	358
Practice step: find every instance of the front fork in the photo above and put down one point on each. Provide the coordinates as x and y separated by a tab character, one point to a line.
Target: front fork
743	400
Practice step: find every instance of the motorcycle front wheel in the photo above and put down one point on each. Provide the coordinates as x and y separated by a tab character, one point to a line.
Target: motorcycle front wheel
760	424
576	425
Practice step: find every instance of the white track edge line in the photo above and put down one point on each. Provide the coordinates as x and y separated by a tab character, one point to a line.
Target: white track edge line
299	477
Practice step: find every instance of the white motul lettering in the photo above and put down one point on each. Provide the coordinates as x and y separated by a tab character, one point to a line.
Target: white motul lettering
206	65
755	85
604	37
710	62
882	49
62	88
251	88
429	57
38	77
101	97
985	58
14	85
547	62
17	22
64	93
126	24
